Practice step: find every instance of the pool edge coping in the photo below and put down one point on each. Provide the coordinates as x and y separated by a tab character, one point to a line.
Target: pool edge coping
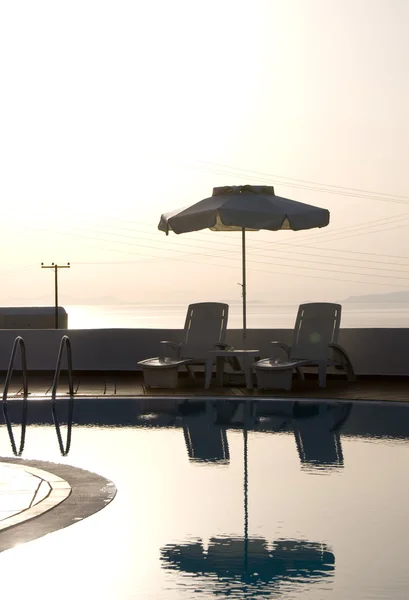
90	493
60	490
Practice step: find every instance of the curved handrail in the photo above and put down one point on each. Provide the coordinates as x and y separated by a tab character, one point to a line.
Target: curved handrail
65	343
18	344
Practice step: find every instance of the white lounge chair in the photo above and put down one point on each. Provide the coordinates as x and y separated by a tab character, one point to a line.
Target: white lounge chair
205	329
314	344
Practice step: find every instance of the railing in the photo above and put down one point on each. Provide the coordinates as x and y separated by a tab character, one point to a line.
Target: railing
18	343
65	344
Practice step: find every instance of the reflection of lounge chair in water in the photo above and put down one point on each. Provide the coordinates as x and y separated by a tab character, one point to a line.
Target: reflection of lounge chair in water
316	430
205	440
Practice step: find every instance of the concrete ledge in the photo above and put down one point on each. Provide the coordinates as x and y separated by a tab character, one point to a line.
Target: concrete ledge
59	490
89	494
372	351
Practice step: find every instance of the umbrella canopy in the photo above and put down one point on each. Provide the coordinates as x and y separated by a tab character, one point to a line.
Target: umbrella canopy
237	208
253	207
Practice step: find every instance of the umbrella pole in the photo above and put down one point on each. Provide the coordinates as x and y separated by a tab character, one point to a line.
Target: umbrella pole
243	254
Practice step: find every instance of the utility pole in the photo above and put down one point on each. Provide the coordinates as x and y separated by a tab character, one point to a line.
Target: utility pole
55	267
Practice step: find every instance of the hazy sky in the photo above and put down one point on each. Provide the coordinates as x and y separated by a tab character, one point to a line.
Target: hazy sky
112	112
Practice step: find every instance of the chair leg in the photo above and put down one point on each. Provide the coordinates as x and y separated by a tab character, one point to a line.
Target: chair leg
322	375
300	374
234	362
349	369
248	374
191	373
208	372
220	370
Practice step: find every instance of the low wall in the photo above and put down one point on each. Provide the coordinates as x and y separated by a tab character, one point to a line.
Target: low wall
372	351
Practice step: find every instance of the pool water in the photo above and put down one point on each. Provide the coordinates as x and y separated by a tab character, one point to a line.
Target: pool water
267	499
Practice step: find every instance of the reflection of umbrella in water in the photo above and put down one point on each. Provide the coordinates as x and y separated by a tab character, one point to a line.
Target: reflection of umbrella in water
241	208
250	560
258	565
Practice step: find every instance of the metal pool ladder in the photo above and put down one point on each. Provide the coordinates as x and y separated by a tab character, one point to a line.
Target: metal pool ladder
65	344
18	344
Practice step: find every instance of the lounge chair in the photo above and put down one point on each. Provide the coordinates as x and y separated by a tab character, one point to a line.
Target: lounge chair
205	329
314	344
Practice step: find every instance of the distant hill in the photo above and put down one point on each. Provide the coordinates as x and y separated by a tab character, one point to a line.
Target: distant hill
64	300
389	297
101	300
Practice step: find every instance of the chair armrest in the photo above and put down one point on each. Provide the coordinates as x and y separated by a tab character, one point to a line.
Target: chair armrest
341	355
176	347
282	346
338	350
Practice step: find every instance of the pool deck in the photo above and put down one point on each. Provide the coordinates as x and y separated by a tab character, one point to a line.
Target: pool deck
96	384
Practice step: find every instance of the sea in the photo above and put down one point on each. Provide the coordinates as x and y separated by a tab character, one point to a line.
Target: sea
259	316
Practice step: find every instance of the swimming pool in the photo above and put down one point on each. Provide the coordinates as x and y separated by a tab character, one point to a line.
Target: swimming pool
259	499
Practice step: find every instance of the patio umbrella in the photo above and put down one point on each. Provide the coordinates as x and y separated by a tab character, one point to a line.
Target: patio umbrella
241	208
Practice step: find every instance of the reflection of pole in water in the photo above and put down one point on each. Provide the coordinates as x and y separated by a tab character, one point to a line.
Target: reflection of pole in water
246	508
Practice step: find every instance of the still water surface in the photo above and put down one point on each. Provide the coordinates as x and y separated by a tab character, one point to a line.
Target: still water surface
224	499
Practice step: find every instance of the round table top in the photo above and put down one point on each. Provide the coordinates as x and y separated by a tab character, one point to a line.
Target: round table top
234	351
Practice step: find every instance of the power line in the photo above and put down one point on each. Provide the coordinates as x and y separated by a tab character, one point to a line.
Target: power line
346	237
265	271
323	232
251	247
318	239
325	256
356	252
337	190
237	257
289	244
207	255
327	185
261	262
354	228
17	270
279	250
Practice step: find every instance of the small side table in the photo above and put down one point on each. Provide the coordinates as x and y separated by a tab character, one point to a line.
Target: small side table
248	357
